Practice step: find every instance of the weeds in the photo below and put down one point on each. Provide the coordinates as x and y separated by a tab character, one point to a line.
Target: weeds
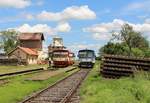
124	90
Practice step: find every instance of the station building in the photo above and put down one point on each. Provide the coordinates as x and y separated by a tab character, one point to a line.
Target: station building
29	48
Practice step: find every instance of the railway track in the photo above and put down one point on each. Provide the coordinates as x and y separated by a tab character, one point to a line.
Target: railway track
21	72
115	66
75	97
63	91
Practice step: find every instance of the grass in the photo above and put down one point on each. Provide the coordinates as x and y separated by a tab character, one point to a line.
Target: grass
96	89
19	87
47	74
9	69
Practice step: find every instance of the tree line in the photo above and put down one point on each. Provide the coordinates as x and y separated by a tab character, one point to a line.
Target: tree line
127	42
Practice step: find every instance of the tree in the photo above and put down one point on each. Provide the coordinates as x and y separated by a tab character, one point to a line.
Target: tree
138	52
131	42
8	40
146	52
114	48
1	46
126	34
131	38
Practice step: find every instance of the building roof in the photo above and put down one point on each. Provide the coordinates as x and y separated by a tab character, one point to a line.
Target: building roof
31	36
26	50
29	51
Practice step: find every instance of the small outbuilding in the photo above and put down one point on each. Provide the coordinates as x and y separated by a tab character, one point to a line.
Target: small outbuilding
30	56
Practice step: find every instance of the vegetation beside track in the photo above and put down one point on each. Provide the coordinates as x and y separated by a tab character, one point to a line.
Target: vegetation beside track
10	69
96	89
18	87
47	74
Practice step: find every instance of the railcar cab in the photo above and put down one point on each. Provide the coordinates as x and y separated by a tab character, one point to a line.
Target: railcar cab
72	58
86	58
60	58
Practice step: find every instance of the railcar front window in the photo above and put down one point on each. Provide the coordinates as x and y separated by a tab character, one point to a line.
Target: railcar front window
59	54
90	54
86	54
82	54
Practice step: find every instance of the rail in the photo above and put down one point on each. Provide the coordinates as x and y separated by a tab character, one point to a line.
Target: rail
21	72
61	91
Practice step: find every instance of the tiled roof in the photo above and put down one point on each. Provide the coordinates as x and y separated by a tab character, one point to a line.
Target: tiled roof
31	36
29	51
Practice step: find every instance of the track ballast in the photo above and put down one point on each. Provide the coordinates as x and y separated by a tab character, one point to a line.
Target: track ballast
62	91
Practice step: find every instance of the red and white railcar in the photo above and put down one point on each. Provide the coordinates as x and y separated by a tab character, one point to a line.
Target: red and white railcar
62	58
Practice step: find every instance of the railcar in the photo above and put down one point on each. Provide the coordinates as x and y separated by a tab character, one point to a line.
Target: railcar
62	58
86	58
72	58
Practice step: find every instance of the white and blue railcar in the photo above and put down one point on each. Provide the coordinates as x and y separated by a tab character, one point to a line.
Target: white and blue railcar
86	58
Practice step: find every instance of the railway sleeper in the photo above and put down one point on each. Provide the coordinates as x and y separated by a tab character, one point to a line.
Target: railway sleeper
116	73
119	71
127	62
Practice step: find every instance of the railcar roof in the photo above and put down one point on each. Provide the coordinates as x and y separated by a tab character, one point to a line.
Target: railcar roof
60	51
86	50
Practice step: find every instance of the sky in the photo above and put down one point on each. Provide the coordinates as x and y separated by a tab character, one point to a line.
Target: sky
81	23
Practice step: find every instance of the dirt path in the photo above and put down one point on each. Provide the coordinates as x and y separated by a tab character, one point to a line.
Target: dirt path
47	74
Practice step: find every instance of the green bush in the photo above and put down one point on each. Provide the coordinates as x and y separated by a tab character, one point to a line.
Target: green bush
146	52
137	52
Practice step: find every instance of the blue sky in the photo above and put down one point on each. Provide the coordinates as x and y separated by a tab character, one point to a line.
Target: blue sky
81	23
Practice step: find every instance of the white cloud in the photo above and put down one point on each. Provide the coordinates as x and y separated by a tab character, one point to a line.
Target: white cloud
36	28
73	12
105	27
78	46
147	20
15	3
103	31
100	36
63	27
82	12
49	16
